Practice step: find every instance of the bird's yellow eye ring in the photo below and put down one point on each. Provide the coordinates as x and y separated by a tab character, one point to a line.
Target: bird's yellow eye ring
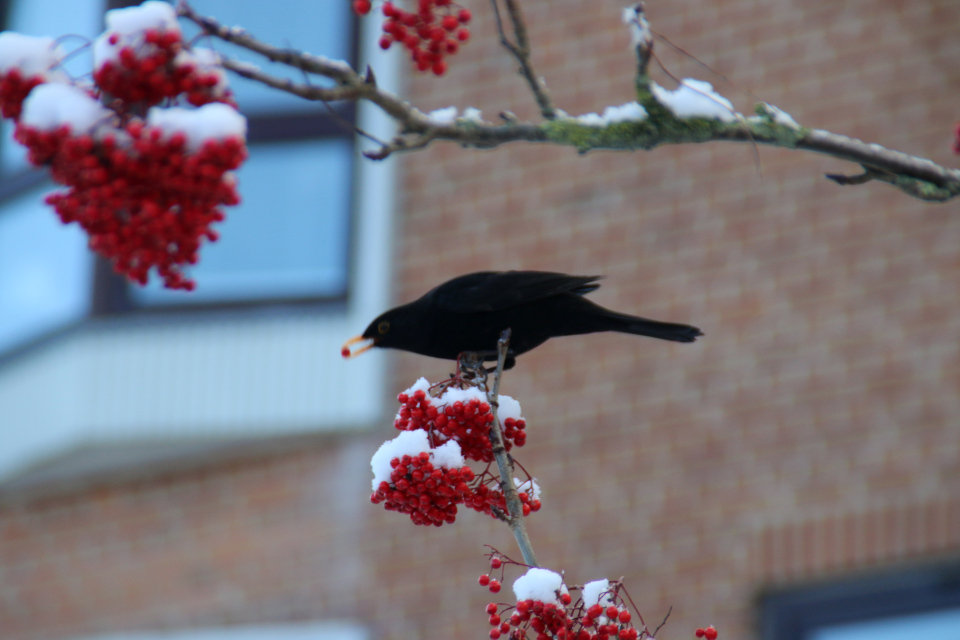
383	327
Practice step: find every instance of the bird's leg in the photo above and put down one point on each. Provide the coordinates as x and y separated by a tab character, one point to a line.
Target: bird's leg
470	370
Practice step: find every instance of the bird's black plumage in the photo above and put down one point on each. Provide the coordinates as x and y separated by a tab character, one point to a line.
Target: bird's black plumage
468	314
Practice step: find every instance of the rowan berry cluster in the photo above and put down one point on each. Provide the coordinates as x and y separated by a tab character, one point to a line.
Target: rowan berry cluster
145	184
600	614
427	477
466	420
956	139
710	633
488	498
146	203
152	65
427	493
431	33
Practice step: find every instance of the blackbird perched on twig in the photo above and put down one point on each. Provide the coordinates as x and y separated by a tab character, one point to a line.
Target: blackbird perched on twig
467	314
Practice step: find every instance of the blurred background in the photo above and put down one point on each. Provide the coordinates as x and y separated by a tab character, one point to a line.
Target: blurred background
197	466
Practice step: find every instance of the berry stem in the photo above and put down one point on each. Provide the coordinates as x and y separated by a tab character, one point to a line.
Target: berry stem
504	464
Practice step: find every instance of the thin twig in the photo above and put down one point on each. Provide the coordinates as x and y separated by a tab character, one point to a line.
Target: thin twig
504	466
521	51
659	626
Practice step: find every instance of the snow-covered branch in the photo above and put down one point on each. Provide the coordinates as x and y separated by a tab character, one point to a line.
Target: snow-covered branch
693	113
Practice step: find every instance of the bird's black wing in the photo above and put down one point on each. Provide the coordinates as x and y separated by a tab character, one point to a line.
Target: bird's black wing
495	290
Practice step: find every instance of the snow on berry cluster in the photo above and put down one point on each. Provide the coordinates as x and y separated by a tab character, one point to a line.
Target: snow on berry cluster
545	609
462	415
25	62
145	182
432	32
423	473
425	482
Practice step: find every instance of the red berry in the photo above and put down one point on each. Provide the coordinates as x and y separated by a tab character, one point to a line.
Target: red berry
439	67
710	633
362	7
463	34
495	587
494	633
385	42
345	352
450	23
492	608
496	563
612	612
624	617
484	580
699	632
494	620
464	16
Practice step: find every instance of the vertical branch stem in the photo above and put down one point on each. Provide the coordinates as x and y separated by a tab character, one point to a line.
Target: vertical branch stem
521	51
504	465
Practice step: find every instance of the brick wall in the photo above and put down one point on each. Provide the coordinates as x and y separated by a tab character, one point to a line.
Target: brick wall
810	433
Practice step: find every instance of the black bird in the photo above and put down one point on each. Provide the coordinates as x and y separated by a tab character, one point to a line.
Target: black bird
468	313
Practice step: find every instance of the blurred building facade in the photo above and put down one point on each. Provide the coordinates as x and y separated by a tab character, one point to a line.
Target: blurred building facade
203	472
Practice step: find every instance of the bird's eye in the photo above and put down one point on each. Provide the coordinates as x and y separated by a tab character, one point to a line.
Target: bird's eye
383	327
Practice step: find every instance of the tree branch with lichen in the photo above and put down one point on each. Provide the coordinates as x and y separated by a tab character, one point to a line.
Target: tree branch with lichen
654	125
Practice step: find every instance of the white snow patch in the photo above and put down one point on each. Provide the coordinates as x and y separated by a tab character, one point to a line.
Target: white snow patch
413	443
214	121
539	584
420	385
152	14
591	120
461	395
408	443
443	116
473	115
639	27
447	456
695	99
780	116
509	408
631	111
32	56
52	105
596	592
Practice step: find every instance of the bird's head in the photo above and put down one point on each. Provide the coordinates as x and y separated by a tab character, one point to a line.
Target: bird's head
382	332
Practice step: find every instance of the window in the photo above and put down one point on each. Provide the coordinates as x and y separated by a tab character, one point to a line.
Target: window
125	381
289	239
45	268
920	604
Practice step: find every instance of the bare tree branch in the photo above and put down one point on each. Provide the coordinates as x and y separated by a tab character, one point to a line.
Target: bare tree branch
521	51
918	177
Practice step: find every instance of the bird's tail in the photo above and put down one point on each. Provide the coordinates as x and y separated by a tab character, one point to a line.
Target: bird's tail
657	329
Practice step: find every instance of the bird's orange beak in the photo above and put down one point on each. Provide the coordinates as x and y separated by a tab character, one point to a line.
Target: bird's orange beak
347	353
